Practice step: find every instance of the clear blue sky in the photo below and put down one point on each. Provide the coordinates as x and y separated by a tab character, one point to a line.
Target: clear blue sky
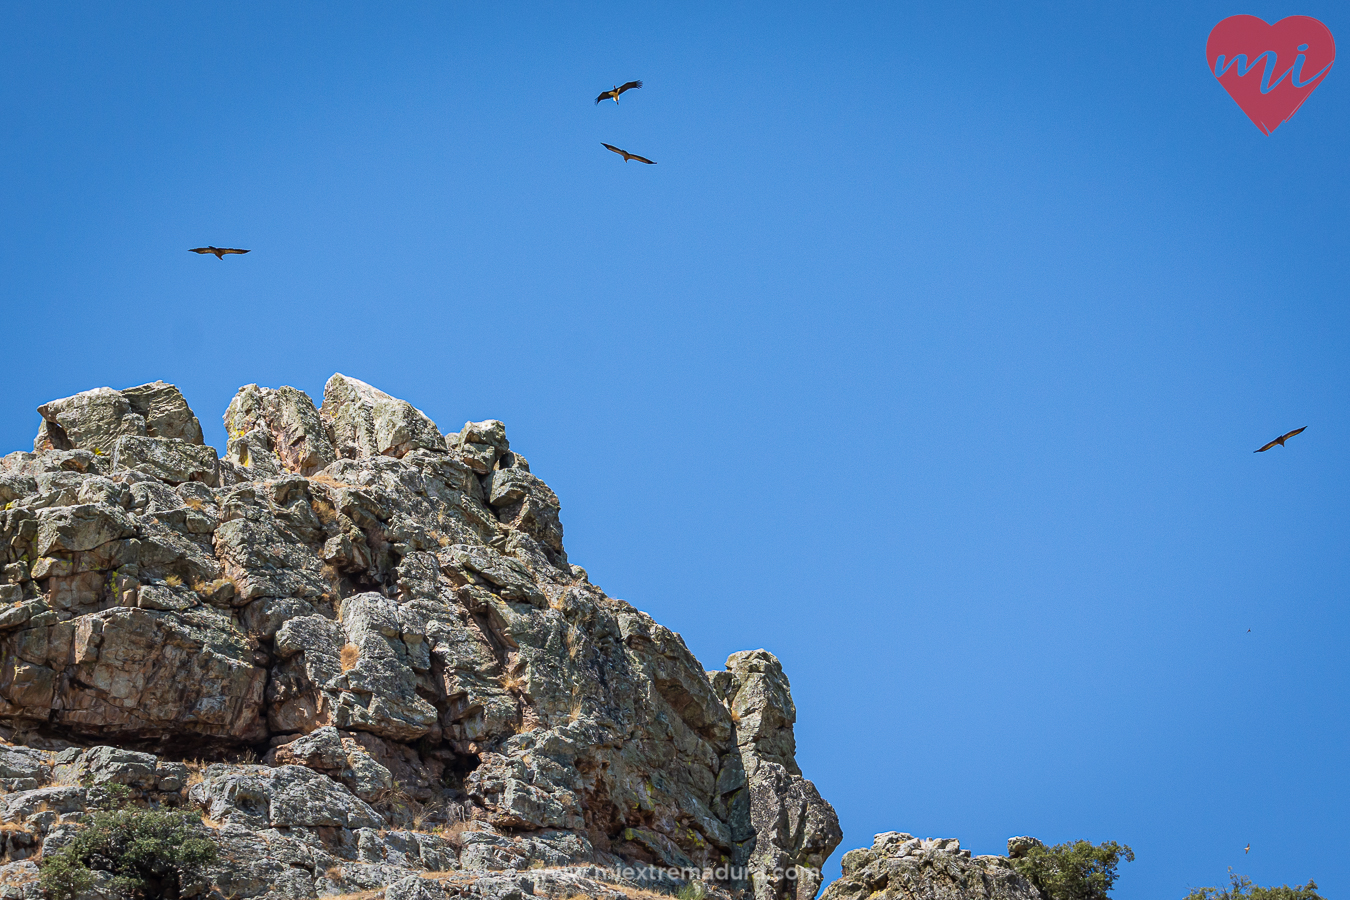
931	355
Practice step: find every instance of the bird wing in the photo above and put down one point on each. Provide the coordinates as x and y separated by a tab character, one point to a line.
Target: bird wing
230	250
1267	446
607	95
202	250
629	86
1294	432
650	162
614	149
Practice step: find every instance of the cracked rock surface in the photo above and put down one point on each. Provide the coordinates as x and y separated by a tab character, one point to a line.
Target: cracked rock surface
357	647
899	866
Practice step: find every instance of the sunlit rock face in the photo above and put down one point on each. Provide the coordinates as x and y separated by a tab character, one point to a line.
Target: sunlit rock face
899	866
357	646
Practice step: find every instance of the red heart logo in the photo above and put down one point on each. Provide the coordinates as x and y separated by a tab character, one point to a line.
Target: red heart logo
1270	69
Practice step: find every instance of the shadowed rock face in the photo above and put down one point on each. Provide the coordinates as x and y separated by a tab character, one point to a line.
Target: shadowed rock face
386	620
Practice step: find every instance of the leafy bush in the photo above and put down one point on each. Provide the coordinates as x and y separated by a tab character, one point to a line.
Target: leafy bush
1241	887
147	851
1075	870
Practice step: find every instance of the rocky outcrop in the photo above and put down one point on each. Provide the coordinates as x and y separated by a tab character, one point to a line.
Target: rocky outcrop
899	866
795	829
276	431
369	422
371	634
95	420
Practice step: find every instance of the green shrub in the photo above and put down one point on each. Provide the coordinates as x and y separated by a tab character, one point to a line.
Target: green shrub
147	851
1241	887
1075	870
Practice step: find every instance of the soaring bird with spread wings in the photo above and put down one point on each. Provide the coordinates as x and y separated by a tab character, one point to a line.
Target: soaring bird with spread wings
626	155
218	251
1281	439
618	89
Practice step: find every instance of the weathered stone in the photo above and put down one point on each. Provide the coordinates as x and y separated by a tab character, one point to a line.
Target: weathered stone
262	863
166	413
24	762
388	617
795	828
84	527
373	423
104	764
92	420
283	424
380	688
513	580
20	613
137	674
263	561
480	444
171	460
415	887
16	487
1020	846
899	866
282	797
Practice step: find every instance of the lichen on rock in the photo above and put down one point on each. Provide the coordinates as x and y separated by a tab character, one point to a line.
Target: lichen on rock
357	646
899	866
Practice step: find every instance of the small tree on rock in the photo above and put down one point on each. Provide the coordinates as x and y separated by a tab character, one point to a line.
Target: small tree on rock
1072	871
1241	888
148	852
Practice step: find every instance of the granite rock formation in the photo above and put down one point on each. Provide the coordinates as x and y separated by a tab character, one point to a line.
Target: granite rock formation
357	646
899	866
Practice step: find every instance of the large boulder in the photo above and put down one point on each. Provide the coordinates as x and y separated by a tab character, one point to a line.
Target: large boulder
91	420
480	444
95	420
277	430
281	797
369	422
899	866
166	413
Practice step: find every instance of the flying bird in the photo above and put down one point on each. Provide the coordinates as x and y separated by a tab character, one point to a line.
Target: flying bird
1247	849
626	155
218	251
618	89
1281	439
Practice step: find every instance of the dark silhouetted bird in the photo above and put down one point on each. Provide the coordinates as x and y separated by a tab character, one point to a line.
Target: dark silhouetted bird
1281	439
626	155
1247	849
218	251
618	89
